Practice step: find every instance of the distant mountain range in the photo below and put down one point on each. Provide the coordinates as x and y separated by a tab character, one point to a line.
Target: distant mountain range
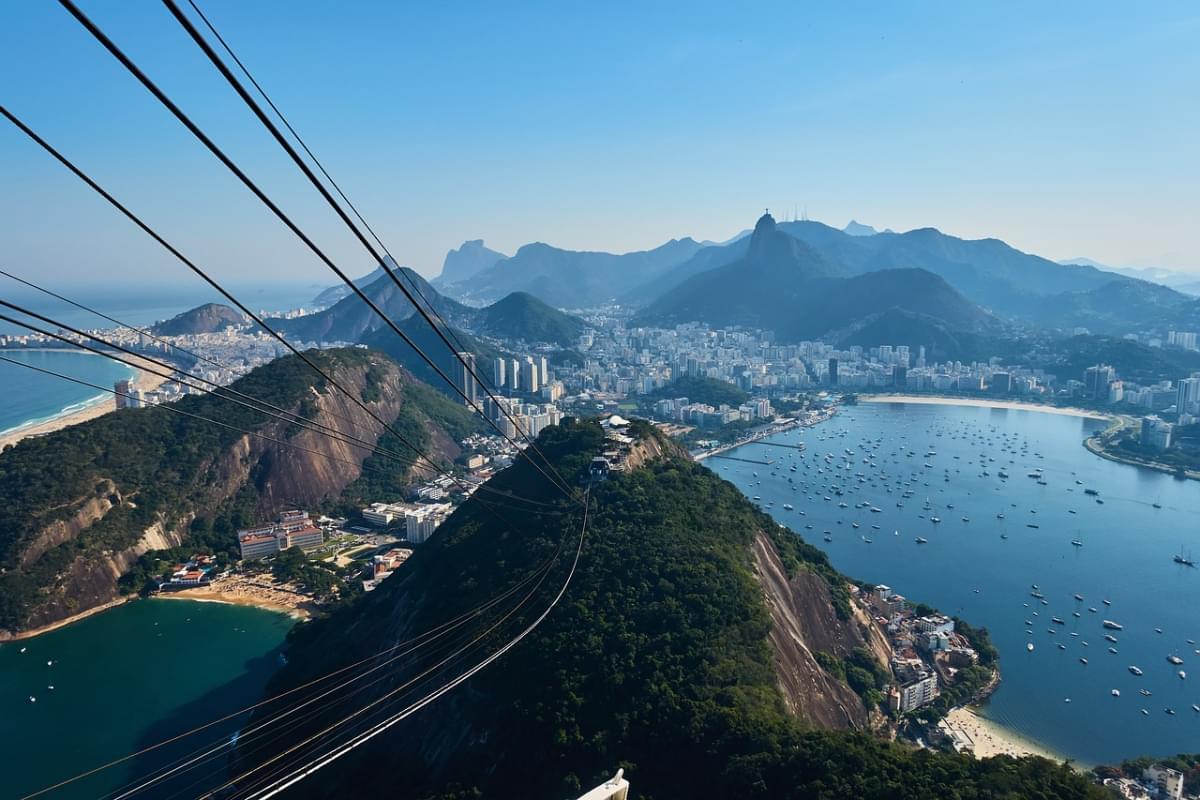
208	318
788	286
569	278
519	316
349	319
329	296
856	228
1014	286
466	262
1186	282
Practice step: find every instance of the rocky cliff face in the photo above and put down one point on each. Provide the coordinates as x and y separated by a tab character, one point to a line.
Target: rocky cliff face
75	568
805	622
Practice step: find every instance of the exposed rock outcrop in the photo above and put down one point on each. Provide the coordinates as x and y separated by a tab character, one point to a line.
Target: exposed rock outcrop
804	623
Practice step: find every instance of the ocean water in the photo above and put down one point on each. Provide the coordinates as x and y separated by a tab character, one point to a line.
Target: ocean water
31	396
145	305
125	679
983	568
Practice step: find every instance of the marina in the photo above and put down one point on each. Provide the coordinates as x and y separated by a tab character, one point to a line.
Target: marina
1002	570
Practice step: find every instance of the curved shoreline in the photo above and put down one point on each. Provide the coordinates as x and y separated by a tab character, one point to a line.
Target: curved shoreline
76	413
9	636
980	402
991	738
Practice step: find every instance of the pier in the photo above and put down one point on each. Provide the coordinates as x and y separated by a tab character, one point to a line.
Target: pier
746	460
777	444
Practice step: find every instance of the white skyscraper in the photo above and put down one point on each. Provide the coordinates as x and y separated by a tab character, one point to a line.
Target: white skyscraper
498	373
514	375
529	376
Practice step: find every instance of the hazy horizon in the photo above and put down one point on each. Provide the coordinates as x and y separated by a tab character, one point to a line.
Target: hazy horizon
1065	134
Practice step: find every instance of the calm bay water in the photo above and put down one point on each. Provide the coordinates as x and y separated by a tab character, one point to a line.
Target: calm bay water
970	569
124	679
34	396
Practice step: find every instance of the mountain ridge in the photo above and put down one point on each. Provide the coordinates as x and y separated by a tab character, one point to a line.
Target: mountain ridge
787	286
82	504
685	650
206	318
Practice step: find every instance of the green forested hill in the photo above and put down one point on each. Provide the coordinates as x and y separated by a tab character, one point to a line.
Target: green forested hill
657	660
76	505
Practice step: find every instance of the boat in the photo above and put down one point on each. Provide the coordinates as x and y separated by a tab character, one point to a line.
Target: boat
1145	712
1196	708
1182	675
1144	692
1062	647
1113	626
787	506
1058	621
1029	646
1091	492
1175	659
1184	560
1083	661
922	540
1112	650
935	519
1116	692
1030	525
1078	596
1077	542
1135	671
32	699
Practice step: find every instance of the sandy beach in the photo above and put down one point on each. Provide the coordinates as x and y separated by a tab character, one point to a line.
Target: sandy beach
1013	405
991	738
258	591
146	381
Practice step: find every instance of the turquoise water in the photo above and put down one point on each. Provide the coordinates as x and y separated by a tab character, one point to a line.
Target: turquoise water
124	679
968	569
34	396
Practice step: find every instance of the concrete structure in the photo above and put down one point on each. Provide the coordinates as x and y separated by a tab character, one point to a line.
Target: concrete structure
463	372
530	373
291	529
1169	782
615	788
1187	395
913	695
499	368
1156	433
421	521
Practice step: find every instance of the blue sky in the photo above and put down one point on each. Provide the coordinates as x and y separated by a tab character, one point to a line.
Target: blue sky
1066	129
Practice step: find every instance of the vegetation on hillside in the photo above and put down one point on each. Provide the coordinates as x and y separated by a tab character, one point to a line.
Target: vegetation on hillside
657	660
521	316
699	390
152	463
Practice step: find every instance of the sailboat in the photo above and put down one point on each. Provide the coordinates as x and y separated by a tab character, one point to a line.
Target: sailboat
1184	560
